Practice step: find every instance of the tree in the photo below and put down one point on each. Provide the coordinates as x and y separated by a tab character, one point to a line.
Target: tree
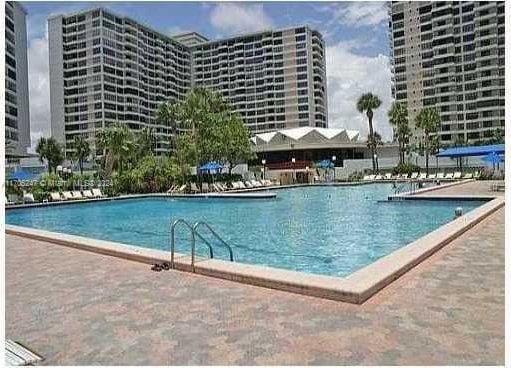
366	104
429	120
118	141
212	130
145	142
81	151
167	115
50	150
498	136
398	118
374	144
235	141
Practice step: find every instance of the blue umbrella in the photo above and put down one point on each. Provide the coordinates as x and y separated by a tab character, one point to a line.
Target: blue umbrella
211	167
21	175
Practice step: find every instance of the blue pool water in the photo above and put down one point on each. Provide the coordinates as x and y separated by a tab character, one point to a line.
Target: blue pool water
325	230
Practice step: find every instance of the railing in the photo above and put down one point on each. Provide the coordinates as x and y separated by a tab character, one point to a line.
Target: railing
195	233
222	241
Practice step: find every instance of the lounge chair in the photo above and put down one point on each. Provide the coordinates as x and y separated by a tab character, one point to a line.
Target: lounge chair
365	178
55	196
457	175
235	185
255	183
194	188
378	177
423	176
67	195
97	193
388	176
77	194
180	189
88	194
468	176
372	176
449	176
476	175
28	198
440	175
404	176
432	176
242	185
12	198
268	182
414	175
248	184
171	189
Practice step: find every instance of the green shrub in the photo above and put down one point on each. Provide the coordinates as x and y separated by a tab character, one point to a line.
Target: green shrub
405	168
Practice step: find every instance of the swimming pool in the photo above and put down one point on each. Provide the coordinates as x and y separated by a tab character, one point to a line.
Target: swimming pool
324	230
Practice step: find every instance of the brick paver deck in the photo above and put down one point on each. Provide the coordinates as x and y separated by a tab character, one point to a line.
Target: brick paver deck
482	187
75	307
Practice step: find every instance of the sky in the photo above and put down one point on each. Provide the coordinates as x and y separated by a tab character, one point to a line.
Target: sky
355	33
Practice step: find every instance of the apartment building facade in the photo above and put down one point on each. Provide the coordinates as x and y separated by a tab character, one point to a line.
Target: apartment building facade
17	113
450	54
107	69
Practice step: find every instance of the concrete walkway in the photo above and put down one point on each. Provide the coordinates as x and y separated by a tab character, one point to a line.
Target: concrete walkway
80	308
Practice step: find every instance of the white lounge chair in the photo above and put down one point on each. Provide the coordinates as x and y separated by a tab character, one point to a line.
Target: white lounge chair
28	198
449	175
476	175
378	177
55	196
468	176
12	198
97	193
194	188
365	178
88	193
423	176
255	183
414	175
77	194
431	176
248	184
388	176
242	185
67	195
372	176
268	182
457	175
440	175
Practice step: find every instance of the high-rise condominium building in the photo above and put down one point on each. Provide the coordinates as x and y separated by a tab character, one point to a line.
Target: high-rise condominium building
17	117
450	54
106	69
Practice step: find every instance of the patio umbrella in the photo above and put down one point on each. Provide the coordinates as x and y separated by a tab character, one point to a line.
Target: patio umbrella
21	175
211	167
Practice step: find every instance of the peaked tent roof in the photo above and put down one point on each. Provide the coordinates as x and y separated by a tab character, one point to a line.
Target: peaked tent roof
473	151
299	133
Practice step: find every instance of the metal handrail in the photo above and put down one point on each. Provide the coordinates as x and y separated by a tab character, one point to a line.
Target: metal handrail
173	241
195	227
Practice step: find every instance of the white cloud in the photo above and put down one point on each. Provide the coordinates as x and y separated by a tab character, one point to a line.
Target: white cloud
39	89
358	14
236	18
350	75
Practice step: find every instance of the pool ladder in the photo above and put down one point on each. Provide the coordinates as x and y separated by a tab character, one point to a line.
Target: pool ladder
194	232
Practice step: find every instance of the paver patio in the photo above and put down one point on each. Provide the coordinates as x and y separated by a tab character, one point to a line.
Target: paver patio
76	307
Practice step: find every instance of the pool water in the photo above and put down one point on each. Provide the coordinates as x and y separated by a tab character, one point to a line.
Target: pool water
325	230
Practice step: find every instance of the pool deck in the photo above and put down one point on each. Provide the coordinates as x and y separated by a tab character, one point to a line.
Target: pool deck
75	307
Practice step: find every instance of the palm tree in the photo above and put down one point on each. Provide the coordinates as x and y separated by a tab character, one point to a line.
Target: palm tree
167	115
398	118
81	150
429	120
366	104
49	149
146	142
377	142
118	143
